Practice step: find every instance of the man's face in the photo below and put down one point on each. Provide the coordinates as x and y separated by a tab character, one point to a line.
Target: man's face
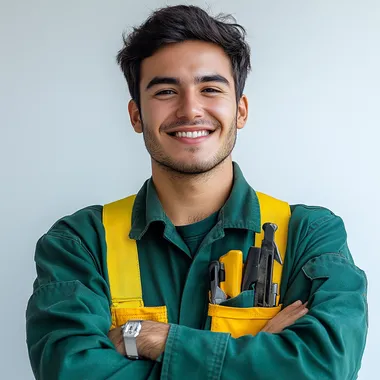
189	116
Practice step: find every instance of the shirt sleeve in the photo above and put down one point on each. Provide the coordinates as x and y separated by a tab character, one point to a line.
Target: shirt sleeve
68	318
327	343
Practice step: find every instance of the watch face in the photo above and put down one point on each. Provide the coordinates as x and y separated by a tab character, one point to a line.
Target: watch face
132	329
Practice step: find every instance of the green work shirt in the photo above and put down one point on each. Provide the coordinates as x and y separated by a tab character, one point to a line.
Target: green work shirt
68	314
193	234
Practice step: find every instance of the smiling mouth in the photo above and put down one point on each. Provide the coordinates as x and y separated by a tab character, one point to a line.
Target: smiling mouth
191	135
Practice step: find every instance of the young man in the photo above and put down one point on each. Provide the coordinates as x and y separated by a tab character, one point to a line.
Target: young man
186	73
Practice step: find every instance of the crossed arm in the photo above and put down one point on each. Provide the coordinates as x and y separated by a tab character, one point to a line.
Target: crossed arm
152	338
68	322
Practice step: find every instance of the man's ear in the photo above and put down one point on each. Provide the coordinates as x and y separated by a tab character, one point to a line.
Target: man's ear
135	116
242	112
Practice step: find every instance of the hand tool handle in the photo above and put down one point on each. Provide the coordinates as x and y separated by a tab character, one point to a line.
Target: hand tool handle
251	268
233	266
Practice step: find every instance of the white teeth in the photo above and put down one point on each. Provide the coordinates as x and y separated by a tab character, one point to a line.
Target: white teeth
192	135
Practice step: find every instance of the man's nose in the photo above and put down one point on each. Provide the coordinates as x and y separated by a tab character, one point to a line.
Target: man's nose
189	106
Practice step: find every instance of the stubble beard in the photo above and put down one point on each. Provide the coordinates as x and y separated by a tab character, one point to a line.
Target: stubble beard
189	169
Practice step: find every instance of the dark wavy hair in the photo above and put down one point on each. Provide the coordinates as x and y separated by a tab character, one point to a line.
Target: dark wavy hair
178	24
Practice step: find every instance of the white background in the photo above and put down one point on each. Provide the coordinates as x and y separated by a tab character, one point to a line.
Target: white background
66	141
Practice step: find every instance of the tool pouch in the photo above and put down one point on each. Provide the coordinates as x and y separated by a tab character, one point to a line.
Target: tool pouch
121	315
237	316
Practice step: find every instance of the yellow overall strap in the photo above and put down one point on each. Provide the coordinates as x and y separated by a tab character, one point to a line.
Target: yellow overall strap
122	256
275	211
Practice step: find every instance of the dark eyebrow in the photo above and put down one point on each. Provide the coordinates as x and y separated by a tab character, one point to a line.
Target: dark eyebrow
212	78
175	81
162	80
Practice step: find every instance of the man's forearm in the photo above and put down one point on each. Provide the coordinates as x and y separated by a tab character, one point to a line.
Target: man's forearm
72	345
152	339
150	342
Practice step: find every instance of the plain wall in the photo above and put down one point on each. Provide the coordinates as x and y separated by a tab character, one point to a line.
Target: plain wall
66	141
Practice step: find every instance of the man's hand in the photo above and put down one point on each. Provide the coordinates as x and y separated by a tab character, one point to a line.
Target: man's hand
286	317
150	342
116	337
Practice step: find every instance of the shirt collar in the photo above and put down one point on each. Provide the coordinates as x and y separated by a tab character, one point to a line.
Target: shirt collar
241	209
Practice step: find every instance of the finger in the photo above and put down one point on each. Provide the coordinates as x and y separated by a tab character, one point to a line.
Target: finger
294	307
294	304
286	317
291	319
291	309
296	311
289	316
299	312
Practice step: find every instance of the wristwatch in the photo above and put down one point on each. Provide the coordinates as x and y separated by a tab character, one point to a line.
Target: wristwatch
131	331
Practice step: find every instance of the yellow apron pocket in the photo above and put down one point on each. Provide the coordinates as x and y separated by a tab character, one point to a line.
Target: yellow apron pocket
239	321
152	313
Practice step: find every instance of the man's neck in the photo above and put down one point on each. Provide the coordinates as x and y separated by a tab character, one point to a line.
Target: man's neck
188	199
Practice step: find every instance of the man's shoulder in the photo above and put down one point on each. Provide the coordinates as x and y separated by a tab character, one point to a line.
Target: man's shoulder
74	241
307	219
84	226
315	230
311	215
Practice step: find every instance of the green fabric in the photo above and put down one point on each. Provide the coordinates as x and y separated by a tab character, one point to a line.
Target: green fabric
68	314
193	234
244	299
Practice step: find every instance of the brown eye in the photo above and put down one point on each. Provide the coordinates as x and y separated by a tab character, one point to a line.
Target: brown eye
165	92
211	90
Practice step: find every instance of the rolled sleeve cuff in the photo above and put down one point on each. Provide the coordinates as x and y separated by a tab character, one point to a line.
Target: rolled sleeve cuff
193	354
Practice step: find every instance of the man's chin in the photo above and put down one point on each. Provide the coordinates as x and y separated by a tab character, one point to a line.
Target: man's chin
186	168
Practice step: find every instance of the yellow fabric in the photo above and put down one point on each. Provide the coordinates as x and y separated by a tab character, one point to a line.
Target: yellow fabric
250	320
123	267
122	315
122	255
233	266
239	321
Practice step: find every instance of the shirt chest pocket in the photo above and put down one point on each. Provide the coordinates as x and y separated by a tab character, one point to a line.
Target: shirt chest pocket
238	317
121	315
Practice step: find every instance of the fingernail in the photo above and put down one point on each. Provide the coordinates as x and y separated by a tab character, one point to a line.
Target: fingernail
297	303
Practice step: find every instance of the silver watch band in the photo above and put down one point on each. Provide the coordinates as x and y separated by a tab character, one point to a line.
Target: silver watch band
131	331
